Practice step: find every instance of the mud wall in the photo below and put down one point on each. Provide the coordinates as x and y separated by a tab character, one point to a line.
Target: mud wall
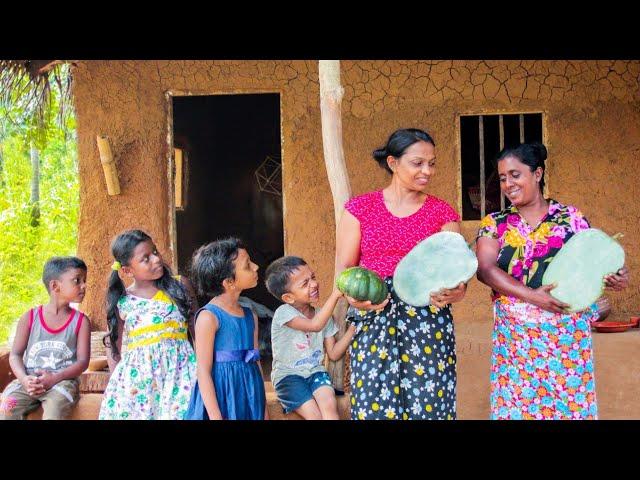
591	126
591	122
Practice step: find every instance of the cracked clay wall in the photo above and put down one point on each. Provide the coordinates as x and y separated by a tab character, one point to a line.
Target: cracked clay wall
591	123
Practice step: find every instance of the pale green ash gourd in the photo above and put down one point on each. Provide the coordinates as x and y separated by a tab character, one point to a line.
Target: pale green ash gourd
579	268
441	261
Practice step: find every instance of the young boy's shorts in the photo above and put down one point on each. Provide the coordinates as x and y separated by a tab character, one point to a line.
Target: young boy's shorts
294	390
57	402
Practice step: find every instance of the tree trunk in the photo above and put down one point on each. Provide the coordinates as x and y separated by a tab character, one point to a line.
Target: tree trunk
1	167
331	93
35	186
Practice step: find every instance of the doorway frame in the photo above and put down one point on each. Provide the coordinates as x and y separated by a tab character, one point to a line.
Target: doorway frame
169	96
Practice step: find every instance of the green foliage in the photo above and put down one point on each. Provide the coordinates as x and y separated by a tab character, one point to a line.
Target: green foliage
23	247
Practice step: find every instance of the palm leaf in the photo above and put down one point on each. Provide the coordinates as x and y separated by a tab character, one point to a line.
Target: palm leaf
26	84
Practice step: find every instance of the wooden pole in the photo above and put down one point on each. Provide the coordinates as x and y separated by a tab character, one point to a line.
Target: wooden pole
108	165
331	93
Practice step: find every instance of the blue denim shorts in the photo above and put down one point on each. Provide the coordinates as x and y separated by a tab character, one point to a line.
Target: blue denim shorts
294	390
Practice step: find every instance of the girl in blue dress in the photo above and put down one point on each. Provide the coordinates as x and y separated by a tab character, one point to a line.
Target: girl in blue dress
229	376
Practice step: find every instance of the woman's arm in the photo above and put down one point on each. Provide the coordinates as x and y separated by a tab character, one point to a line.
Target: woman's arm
617	281
348	254
451	227
490	274
336	349
206	328
347	242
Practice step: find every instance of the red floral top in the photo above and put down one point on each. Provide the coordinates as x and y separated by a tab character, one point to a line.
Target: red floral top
386	239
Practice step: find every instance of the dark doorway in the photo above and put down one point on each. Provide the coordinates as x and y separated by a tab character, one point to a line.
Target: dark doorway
225	140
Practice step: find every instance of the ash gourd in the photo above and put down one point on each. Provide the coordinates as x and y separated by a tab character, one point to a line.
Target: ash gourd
579	267
441	261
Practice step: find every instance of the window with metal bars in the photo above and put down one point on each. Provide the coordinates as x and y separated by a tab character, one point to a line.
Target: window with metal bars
482	137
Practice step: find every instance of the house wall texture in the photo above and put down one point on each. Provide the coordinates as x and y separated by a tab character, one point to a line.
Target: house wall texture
591	118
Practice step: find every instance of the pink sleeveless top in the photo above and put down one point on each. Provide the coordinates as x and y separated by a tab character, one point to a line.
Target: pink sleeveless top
386	239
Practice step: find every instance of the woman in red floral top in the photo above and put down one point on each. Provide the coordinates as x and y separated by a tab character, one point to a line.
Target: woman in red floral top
403	361
542	359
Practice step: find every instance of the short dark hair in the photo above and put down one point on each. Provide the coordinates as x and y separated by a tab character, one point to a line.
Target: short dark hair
278	273
398	143
213	263
56	266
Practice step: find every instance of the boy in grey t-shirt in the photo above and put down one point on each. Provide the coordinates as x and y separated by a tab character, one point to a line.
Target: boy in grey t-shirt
299	333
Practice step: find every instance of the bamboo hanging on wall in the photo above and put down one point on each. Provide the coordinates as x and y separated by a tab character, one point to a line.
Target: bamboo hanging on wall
178	179
108	165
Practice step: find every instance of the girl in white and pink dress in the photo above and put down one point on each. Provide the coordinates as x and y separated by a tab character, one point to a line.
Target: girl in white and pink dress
152	361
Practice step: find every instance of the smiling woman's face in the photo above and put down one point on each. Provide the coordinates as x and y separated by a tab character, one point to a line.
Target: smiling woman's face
518	183
416	165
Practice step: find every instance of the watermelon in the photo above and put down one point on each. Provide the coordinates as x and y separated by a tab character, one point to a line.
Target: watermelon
362	284
442	260
580	266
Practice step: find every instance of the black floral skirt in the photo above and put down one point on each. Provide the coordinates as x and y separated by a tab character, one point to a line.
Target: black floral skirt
403	362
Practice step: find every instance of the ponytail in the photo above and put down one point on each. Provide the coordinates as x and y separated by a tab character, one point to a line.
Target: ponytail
115	290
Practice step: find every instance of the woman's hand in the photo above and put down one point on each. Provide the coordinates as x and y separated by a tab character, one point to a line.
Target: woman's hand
446	296
367	305
541	297
617	281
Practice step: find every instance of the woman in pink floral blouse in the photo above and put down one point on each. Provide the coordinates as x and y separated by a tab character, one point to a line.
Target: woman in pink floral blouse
403	359
542	359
